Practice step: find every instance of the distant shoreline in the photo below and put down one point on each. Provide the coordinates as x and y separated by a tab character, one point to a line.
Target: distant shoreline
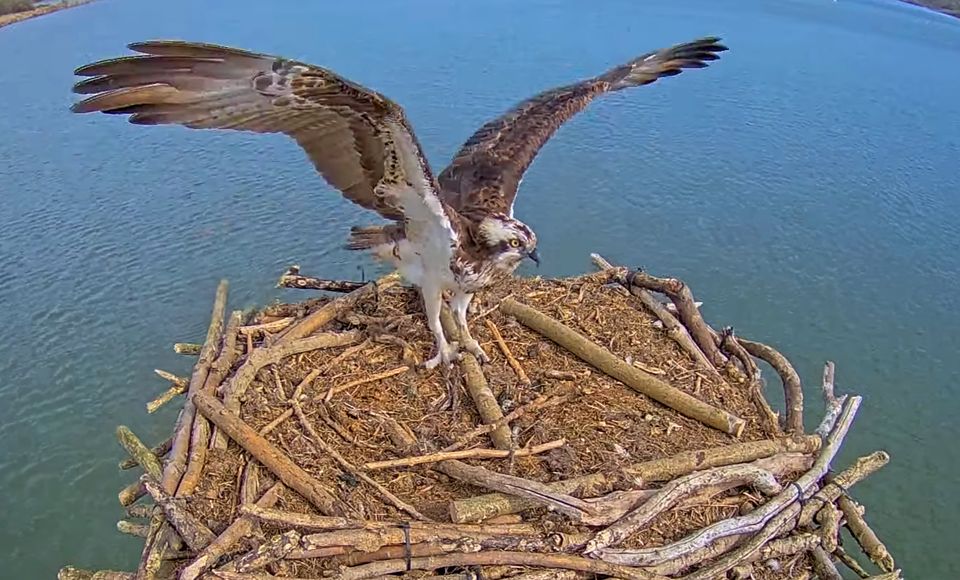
13	18
948	7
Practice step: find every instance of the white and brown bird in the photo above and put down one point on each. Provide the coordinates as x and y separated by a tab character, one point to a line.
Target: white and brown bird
453	233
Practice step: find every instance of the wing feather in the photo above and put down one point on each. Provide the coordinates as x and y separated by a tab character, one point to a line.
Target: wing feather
484	175
349	132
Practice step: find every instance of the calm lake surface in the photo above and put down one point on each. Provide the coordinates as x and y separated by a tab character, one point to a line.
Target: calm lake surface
805	186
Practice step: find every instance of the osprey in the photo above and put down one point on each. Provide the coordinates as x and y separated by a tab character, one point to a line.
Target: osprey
452	233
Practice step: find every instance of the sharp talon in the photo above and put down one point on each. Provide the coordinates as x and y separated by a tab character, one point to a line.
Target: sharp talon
474	348
447	354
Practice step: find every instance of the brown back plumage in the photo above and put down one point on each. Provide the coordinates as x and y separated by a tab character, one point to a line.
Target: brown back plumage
356	138
484	175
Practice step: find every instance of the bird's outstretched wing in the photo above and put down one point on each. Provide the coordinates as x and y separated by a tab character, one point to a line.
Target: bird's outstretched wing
484	175
357	139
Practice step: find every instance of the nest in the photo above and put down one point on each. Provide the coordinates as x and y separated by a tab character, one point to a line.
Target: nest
610	435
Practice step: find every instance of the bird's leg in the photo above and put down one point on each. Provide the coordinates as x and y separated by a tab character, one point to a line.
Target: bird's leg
447	352
459	304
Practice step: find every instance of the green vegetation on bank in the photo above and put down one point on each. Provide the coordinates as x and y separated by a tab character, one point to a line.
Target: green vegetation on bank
11	6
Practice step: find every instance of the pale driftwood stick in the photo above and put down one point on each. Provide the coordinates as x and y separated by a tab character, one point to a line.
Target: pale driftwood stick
71	573
188	348
575	508
779	548
350	468
476	383
833	488
227	539
274	549
792	388
293	279
481	507
234	389
133	528
823	566
139	452
511	360
330	310
466	454
158	451
742	553
496	558
177	460
296	393
365	380
194	533
272	326
682	298
178	387
895	575
753	521
200	435
850	562
161	539
671	494
373	540
829	518
131	493
769	421
142	511
309	522
671	325
540	402
266	453
833	402
609	363
865	536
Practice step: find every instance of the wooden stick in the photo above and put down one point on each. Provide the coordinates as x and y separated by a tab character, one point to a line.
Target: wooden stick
671	325
681	296
71	573
751	522
196	535
178	387
792	388
131	493
200	437
177	460
370	379
272	326
476	382
234	389
865	536
139	452
133	528
227	539
730	343
266	453
350	468
187	348
823	566
861	468
606	361
671	494
829	519
274	549
575	508
158	451
540	402
467	454
511	360
330	310
850	562
481	507
495	558
293	279
833	402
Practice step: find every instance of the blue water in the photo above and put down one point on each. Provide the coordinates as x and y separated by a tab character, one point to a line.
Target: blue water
805	186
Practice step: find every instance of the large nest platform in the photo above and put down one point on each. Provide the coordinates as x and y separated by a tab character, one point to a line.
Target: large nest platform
611	434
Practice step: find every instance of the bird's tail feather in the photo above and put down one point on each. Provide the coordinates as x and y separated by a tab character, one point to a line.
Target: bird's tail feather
665	62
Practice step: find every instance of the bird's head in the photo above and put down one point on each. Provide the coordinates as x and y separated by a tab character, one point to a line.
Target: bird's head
508	240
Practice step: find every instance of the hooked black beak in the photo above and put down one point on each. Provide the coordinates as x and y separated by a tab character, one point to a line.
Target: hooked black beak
535	256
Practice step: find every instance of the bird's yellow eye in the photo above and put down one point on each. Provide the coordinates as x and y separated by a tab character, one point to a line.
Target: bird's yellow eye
514	243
